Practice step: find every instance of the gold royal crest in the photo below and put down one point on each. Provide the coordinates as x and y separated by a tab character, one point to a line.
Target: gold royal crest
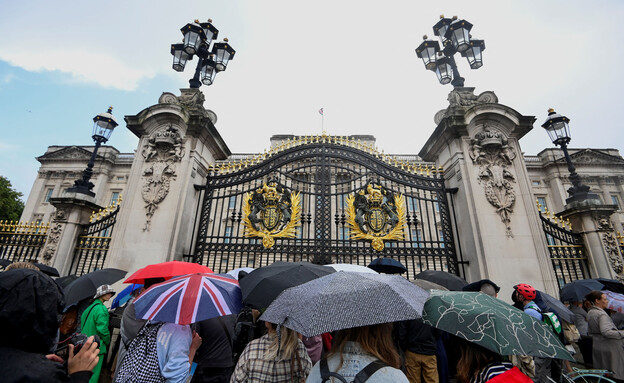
271	212
376	214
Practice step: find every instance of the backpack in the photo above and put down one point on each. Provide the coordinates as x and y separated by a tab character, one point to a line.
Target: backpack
571	334
243	332
550	318
361	376
140	363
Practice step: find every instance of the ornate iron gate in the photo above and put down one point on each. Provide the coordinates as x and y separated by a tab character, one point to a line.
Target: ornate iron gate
21	241
355	204
93	243
567	251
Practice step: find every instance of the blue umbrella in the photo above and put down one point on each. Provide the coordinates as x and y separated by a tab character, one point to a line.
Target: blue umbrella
387	266
125	295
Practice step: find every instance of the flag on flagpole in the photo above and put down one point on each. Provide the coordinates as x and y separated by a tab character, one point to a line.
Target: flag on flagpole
321	111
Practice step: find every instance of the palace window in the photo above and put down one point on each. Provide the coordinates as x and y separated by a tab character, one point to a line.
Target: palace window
48	194
114	198
542	202
615	200
228	234
232	202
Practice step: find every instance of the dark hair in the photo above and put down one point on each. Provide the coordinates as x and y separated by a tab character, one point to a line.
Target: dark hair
593	296
473	359
375	339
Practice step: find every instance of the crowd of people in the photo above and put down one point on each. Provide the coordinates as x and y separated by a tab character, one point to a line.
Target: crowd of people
33	349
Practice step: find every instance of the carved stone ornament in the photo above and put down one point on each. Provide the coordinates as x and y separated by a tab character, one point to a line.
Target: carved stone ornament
376	214
491	152
270	212
612	249
602	221
464	98
60	215
54	236
190	99
163	149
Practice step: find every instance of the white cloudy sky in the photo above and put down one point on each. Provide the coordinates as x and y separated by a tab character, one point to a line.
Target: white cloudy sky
61	63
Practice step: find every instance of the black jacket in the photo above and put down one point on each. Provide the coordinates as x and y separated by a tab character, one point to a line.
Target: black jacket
417	337
30	309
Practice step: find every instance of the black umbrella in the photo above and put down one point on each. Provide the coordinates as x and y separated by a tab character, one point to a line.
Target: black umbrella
261	286
86	285
49	270
65	281
612	285
387	266
549	303
575	291
448	280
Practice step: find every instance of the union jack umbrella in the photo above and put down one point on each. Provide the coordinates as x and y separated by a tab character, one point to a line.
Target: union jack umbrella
189	299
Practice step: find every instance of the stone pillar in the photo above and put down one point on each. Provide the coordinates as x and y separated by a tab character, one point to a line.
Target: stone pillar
177	143
71	211
476	142
593	220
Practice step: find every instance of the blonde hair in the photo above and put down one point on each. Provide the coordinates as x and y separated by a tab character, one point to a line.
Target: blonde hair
21	265
375	339
284	346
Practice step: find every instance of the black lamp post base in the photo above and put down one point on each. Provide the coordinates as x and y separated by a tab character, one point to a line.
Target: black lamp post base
82	187
582	196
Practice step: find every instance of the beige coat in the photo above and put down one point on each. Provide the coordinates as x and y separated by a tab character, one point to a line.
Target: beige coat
608	342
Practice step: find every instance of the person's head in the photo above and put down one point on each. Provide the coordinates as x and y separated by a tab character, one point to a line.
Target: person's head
525	293
31	305
104	293
21	265
489	289
284	346
473	359
375	339
598	299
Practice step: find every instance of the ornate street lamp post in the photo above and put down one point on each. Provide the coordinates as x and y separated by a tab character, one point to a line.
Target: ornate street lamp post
559	131
455	37
197	39
103	125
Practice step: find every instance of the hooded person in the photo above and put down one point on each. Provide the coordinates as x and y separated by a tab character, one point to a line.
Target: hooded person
29	321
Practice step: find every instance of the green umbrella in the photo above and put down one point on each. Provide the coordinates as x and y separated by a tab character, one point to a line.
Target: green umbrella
492	323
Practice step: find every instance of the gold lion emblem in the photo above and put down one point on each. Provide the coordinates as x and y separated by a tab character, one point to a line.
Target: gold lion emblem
271	212
376	214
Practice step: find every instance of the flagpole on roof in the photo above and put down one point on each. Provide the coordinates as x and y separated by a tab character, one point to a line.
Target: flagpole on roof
322	120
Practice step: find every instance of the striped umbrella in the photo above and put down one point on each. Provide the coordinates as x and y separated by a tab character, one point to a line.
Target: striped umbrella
616	301
189	299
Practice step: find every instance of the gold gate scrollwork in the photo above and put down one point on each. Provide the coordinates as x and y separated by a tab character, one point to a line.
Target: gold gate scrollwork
271	212
376	214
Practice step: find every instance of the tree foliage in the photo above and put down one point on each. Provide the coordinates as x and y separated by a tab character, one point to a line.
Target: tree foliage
11	206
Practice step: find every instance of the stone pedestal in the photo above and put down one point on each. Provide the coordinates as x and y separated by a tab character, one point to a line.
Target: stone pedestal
476	142
71	211
178	142
593	220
